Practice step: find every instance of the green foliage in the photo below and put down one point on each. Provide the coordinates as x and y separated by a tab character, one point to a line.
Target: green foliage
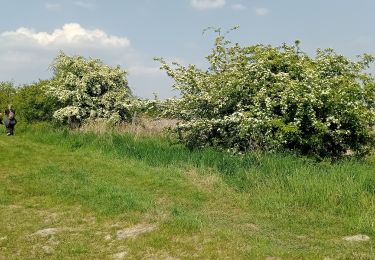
7	93
154	108
90	90
271	98
33	104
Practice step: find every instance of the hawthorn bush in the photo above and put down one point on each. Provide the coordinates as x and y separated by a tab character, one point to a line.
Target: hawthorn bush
90	90
270	98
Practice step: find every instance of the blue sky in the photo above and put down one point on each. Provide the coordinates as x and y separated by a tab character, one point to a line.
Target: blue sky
131	33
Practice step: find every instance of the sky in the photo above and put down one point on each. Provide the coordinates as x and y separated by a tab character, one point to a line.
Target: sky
131	33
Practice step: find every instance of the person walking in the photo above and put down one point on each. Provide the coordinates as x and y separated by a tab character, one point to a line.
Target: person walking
10	120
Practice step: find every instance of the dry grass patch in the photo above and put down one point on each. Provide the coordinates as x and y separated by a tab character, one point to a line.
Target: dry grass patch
139	127
206	181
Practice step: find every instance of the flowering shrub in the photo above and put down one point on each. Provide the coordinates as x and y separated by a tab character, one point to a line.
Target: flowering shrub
270	98
90	90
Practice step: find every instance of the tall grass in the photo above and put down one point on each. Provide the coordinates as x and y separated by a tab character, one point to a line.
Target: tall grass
275	181
155	150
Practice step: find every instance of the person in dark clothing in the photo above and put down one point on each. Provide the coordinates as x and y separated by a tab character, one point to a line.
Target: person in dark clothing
10	120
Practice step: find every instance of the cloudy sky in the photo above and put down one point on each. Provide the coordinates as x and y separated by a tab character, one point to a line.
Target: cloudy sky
131	33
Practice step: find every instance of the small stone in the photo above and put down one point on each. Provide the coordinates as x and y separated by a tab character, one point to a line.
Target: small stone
357	238
107	237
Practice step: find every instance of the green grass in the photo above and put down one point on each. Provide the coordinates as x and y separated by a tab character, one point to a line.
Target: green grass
200	204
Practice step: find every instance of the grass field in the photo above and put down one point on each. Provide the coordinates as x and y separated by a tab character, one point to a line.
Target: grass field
87	196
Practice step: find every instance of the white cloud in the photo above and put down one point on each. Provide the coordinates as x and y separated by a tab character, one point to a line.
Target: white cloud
207	4
238	7
53	6
71	34
262	11
26	54
85	5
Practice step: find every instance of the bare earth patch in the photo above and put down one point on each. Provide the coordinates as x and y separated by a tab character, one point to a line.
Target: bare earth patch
135	231
357	238
47	232
48	250
119	255
52	231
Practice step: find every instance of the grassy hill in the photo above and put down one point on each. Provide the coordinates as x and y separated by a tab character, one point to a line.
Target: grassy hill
88	196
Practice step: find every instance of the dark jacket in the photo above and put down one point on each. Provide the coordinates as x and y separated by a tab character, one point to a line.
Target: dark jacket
10	122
